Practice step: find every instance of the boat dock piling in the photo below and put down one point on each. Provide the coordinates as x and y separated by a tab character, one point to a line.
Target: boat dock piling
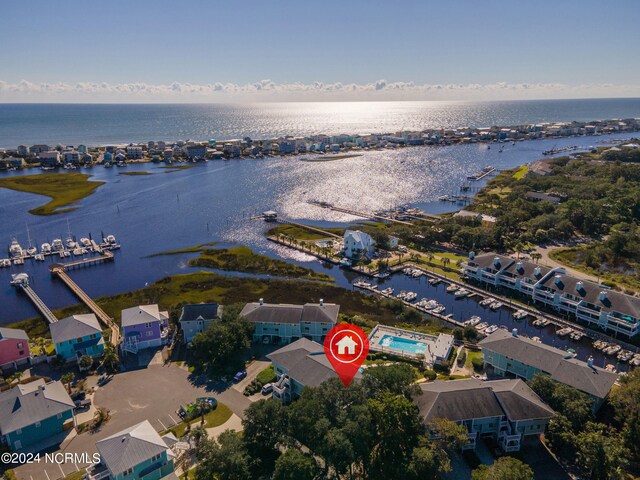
357	213
85	262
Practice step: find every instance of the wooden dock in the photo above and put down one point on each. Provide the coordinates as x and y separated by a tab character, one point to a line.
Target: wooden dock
37	301
356	213
105	256
59	271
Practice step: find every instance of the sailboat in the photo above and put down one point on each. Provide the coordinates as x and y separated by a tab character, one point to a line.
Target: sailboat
31	250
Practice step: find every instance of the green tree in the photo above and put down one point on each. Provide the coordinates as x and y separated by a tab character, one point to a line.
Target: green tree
601	453
265	428
221	348
223	459
570	402
66	379
505	468
396	379
110	359
626	403
85	362
295	465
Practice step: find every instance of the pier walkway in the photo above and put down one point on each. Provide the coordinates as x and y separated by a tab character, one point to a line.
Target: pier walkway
356	213
37	301
106	320
105	256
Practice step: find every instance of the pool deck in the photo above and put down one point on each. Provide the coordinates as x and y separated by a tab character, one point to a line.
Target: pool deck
380	331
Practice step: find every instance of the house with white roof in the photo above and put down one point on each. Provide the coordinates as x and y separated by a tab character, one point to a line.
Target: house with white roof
357	243
136	452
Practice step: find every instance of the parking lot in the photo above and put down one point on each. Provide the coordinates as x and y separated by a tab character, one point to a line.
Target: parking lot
153	393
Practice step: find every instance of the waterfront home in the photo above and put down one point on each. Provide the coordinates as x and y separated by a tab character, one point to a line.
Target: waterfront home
76	336
543	197
136	452
12	162
71	157
284	323
300	364
142	327
508	353
357	243
33	412
39	148
195	318
588	302
196	151
49	158
14	348
134	152
505	410
485	220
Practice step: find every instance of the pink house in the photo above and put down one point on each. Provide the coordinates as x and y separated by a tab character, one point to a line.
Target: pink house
14	347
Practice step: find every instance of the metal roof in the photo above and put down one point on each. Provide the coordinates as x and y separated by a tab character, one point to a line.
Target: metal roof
13	333
285	313
75	326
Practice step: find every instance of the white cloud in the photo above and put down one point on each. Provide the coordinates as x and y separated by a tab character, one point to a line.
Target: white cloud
268	90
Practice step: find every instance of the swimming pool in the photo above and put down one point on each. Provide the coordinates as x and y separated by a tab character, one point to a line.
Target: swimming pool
404	344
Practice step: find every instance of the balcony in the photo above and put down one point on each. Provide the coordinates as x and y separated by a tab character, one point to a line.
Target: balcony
471	441
509	443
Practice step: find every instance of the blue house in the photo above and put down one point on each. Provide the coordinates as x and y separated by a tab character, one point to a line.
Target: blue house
76	336
33	412
137	452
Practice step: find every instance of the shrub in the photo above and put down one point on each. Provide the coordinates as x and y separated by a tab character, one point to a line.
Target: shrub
478	364
462	357
430	375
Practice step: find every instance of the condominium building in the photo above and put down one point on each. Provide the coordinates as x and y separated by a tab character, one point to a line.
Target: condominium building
588	302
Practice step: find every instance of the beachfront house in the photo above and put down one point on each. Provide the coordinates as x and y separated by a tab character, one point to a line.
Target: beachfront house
587	302
34	412
357	244
136	452
300	364
76	336
509	354
14	348
142	327
195	318
504	410
284	323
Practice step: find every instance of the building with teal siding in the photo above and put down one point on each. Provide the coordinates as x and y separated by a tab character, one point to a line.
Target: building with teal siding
76	336
300	364
138	452
34	412
510	354
284	323
504	410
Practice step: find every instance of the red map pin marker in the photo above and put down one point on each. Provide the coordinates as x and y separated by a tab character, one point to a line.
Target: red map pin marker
346	347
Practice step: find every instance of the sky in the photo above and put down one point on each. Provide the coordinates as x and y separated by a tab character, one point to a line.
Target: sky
282	50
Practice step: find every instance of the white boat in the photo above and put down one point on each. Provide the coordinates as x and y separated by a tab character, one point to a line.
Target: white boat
411	296
57	244
430	305
486	302
490	329
79	251
480	327
612	349
439	309
536	339
496	305
473	321
563	332
5	262
39	257
85	242
520	314
15	250
434	281
65	253
71	243
461	293
45	248
18	261
452	288
401	295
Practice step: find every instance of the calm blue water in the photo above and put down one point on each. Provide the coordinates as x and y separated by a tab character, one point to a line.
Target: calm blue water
403	344
103	124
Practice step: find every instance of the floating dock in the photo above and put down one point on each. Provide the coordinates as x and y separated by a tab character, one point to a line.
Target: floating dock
21	281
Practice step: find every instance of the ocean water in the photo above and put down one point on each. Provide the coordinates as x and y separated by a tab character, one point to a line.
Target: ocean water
103	124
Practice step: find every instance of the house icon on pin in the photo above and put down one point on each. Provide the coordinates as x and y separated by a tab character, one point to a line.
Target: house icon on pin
346	346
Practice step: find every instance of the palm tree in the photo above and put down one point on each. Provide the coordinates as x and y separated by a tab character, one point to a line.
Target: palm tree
110	360
202	406
536	256
66	379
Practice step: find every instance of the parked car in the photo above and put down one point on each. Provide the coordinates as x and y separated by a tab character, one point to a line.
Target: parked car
239	376
83	404
78	396
267	388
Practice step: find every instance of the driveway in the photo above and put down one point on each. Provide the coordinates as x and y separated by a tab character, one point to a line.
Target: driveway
153	394
547	261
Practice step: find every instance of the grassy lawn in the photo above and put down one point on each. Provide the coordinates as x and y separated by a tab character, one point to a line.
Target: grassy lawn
196	249
214	418
133	174
209	287
521	172
243	259
470	356
63	189
267	375
300	233
79	475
